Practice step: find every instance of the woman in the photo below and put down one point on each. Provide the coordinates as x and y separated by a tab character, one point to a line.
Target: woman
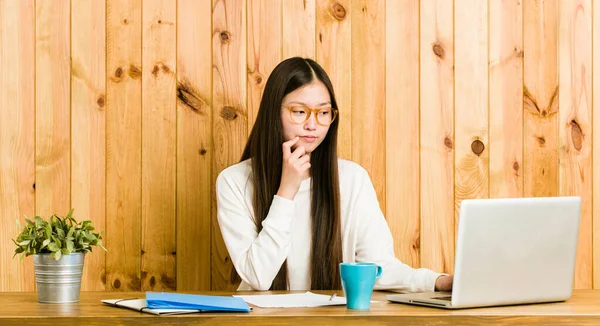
291	211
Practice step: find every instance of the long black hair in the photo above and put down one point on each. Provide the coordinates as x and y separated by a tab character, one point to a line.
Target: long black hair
264	148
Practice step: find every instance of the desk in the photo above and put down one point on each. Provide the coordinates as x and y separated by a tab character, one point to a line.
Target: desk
23	309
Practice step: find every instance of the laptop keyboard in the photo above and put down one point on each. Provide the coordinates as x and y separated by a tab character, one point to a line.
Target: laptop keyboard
447	298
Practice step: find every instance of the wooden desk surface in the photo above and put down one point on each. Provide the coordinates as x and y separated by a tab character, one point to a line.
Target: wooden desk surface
23	309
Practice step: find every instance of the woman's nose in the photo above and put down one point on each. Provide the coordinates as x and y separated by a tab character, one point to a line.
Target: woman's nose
311	123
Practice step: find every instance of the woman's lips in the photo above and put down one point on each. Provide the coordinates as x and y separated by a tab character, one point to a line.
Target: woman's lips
308	139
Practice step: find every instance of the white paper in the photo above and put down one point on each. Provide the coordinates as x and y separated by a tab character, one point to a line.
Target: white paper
296	300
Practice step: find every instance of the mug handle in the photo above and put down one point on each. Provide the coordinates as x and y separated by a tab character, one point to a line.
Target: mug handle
379	271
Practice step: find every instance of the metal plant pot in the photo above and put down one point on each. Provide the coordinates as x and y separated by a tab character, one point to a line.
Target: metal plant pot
58	281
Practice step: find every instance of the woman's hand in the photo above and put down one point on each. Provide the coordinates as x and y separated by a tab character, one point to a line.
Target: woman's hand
294	169
444	283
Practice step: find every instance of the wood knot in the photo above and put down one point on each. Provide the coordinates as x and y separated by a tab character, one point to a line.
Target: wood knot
159	21
168	282
518	52
188	98
100	101
116	284
576	135
338	11
448	142
258	79
477	147
320	37
228	113
202	151
541	141
155	71
160	66
439	51
225	37
152	281
119	73
135	282
125	21
135	72
416	243
516	166
34	186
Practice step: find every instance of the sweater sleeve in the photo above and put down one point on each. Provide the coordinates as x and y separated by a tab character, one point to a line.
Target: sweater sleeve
375	244
256	256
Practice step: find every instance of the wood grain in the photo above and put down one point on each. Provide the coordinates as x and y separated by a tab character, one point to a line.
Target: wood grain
230	118
402	128
123	144
368	91
298	28
437	135
471	162
264	50
88	116
52	108
21	308
540	98
596	146
71	130
506	98
159	129
575	122
17	137
194	144
333	53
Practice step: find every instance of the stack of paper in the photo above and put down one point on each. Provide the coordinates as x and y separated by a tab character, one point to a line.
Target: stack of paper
142	306
169	300
164	303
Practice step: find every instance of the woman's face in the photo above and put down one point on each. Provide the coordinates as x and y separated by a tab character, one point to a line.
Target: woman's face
311	100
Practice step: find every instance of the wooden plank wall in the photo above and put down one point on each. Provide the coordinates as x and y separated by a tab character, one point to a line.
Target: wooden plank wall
127	111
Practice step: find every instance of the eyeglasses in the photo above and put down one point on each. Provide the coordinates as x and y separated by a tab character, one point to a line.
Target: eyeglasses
301	113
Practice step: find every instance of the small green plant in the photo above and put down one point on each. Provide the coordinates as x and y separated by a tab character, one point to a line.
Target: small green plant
59	236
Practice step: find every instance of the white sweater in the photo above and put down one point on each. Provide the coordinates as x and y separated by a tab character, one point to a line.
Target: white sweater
286	232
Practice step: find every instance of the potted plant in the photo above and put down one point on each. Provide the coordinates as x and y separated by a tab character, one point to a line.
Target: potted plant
58	246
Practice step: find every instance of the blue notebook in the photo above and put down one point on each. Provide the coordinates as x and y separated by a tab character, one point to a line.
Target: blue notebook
171	300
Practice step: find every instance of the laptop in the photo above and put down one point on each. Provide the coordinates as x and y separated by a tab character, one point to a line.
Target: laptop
510	251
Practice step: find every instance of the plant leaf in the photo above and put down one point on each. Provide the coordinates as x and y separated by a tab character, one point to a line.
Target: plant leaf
24	243
39	222
101	246
53	247
45	243
48	230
